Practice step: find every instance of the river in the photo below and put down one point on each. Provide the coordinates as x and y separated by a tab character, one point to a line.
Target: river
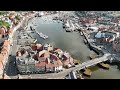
71	42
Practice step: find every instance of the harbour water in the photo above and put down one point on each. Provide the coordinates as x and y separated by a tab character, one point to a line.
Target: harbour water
71	42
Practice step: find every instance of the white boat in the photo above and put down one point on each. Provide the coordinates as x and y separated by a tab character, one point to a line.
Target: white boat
77	25
81	33
67	24
43	36
73	27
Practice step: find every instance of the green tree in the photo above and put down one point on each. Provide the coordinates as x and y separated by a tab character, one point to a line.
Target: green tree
6	24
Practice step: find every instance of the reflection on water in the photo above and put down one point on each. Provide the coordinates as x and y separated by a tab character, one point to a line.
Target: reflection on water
71	42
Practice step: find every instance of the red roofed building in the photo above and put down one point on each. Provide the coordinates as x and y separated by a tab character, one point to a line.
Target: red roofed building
42	59
40	66
38	47
6	76
46	54
4	52
1	68
102	29
115	20
67	60
18	53
88	20
3	31
10	32
113	28
6	43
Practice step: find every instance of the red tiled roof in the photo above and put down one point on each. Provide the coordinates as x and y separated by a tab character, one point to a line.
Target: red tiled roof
66	62
6	43
50	65
2	31
4	51
53	57
46	54
101	29
87	20
58	50
1	65
10	31
18	53
34	48
6	77
42	59
40	64
2	58
59	62
38	45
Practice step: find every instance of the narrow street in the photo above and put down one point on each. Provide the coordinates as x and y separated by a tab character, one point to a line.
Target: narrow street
12	70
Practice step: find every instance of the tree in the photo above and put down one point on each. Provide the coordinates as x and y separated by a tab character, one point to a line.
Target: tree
6	24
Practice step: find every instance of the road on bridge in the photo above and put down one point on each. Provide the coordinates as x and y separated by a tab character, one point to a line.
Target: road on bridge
62	74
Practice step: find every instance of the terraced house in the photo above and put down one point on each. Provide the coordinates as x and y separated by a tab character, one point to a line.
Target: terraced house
47	59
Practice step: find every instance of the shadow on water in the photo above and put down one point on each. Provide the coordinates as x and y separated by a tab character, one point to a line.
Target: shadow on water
94	68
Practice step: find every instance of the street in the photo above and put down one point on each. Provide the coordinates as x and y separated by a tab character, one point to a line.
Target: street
12	70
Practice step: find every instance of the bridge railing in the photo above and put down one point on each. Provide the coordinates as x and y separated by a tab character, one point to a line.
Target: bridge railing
93	62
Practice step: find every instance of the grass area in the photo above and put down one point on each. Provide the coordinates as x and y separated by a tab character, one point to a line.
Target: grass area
2	13
3	23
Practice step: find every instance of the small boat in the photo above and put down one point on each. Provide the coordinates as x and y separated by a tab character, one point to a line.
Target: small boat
63	26
35	41
81	33
85	41
68	30
43	36
31	28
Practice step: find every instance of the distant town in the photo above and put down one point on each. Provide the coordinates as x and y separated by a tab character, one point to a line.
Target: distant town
59	44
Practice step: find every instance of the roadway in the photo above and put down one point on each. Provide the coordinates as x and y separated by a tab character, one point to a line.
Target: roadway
12	70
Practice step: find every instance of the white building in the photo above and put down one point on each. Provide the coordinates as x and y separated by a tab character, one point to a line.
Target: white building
98	35
94	28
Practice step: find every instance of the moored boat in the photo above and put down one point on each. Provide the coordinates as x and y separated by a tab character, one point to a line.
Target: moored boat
43	36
